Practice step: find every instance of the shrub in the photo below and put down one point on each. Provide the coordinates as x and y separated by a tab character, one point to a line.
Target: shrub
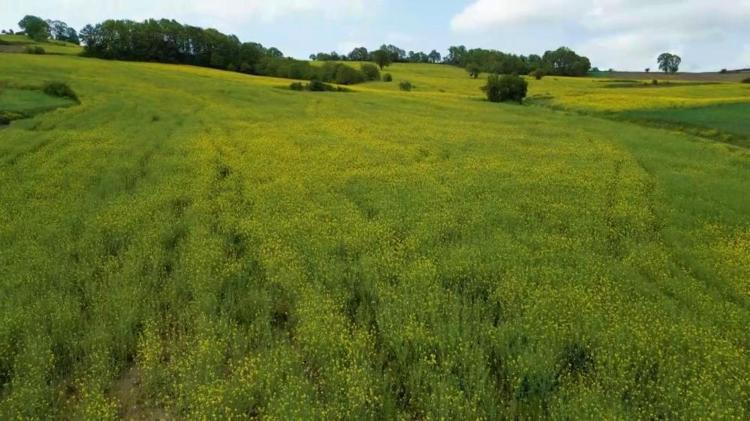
346	75
724	71
406	86
387	77
35	49
370	71
4	120
746	80
505	88
538	74
654	82
59	89
246	68
316	86
297	86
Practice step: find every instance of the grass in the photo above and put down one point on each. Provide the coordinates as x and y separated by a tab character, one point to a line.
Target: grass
195	243
18	44
711	121
29	101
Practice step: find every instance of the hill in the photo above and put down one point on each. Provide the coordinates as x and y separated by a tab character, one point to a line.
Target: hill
194	243
19	43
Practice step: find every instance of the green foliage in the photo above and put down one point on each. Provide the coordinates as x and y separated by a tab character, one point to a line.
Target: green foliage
35	27
34	49
538	74
297	86
669	63
346	75
505	88
405	86
565	62
746	80
60	90
382	58
474	70
370	71
387	77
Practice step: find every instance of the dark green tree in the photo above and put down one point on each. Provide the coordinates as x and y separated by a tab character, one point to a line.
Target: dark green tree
434	56
359	54
382	58
505	88
669	63
35	27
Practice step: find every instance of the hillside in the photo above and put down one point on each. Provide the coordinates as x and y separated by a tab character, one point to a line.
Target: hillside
193	243
18	44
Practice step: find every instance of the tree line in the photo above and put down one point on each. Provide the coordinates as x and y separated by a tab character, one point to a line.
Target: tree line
560	62
392	53
39	29
168	41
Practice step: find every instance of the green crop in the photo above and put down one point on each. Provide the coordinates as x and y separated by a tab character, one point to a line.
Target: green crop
193	243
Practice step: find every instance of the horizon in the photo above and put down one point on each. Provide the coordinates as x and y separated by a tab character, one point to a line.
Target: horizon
618	34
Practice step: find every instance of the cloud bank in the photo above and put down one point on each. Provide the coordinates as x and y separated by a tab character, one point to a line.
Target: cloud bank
622	32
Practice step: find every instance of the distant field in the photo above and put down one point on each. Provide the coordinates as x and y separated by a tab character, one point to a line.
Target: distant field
728	118
18	44
196	244
705	77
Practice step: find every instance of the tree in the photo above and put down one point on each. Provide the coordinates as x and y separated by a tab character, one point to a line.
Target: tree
565	62
648	70
669	63
370	71
474	70
359	54
505	88
434	56
60	31
382	58
274	52
35	27
456	55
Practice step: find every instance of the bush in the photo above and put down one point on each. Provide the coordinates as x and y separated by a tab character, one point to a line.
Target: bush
35	49
505	88
370	71
746	80
4	120
724	71
297	86
59	89
346	75
387	77
406	86
317	86
538	74
654	82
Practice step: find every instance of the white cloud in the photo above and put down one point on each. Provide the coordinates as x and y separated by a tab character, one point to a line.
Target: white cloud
223	10
270	10
621	33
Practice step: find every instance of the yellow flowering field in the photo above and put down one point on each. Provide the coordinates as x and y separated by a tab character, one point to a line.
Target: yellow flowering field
190	243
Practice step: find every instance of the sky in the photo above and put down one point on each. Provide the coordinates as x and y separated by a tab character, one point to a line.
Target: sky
622	34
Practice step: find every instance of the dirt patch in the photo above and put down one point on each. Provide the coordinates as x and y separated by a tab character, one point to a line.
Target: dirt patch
128	393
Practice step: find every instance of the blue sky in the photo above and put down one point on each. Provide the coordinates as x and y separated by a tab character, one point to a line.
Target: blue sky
622	34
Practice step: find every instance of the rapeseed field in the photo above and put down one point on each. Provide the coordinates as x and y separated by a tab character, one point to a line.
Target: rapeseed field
191	243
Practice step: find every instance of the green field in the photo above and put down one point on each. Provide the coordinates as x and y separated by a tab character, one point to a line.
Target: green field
193	243
18	44
732	119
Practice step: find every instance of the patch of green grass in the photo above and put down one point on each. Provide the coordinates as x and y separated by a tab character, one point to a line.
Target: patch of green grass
19	44
732	119
29	101
193	243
